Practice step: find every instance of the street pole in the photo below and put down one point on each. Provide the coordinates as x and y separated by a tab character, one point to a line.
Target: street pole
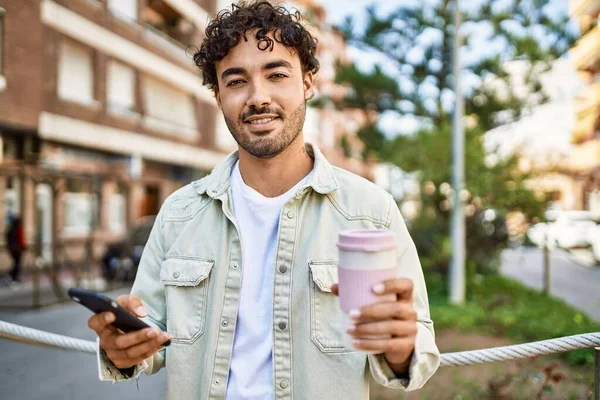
597	373
457	268
546	268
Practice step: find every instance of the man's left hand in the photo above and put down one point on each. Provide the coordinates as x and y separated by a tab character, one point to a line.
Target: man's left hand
397	319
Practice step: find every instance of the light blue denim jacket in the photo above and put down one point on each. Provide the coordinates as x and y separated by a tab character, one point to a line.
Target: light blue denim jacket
190	277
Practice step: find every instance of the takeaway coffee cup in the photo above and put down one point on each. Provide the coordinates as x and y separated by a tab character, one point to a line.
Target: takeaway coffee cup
366	257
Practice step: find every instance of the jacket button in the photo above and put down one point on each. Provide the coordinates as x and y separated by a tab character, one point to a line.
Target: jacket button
282	325
282	269
224	322
291	214
176	274
283	384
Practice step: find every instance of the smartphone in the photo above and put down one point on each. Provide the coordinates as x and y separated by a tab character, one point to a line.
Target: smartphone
98	303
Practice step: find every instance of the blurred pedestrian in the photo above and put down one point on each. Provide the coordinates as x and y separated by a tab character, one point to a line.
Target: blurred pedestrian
271	212
15	241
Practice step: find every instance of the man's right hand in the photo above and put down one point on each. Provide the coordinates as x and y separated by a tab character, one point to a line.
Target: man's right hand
127	349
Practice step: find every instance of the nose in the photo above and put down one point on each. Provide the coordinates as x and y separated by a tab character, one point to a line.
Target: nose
259	97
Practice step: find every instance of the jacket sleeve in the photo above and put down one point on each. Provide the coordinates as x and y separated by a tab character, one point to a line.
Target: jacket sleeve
148	288
426	357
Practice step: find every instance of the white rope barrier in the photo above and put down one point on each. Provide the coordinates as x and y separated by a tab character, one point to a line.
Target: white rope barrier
35	336
496	354
526	350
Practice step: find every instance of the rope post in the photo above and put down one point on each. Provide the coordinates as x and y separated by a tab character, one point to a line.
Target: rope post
36	261
597	373
546	267
36	286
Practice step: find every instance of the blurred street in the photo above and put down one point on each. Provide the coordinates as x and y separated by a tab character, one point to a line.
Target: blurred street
572	278
16	297
32	372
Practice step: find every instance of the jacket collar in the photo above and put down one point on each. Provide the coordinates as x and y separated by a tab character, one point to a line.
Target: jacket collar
214	185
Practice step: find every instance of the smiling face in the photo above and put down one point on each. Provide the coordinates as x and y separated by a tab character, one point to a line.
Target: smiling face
262	95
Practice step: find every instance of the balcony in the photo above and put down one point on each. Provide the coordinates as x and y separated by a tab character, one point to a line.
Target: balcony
171	45
168	28
585	8
587	111
586	52
585	126
585	156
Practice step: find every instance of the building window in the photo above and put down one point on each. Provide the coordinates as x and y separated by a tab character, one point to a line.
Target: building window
126	9
76	73
168	109
13	196
120	91
11	149
80	213
2	78
117	212
81	210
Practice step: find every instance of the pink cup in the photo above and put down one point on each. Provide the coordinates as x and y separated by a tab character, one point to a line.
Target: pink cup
366	257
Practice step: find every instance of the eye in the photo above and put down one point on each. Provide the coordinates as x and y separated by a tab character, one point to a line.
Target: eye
277	76
235	82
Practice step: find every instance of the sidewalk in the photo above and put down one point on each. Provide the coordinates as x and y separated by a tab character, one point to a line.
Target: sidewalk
21	296
572	280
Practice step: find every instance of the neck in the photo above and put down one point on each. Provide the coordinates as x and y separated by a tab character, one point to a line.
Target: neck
272	177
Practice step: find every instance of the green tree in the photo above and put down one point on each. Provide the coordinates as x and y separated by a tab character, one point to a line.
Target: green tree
416	40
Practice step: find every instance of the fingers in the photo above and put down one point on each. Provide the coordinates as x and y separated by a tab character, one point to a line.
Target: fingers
394	328
126	350
133	304
101	322
335	289
403	345
125	341
134	338
384	311
402	288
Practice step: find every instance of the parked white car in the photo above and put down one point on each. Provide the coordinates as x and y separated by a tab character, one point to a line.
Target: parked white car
537	233
595	243
566	229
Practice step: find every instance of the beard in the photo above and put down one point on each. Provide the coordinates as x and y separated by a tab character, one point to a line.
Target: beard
260	144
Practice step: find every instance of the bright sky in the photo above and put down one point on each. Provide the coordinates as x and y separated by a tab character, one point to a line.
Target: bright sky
338	10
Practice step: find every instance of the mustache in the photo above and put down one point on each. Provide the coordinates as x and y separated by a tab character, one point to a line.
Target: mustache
262	110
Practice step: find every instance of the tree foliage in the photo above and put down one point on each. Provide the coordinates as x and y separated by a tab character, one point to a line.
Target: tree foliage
416	40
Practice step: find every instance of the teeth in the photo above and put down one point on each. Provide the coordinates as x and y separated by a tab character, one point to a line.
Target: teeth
261	121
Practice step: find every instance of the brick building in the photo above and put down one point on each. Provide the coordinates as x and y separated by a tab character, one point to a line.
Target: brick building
103	114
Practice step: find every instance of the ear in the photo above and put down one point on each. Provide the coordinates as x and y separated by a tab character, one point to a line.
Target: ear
217	96
308	83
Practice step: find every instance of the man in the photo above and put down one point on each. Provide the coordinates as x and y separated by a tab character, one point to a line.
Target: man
15	241
240	266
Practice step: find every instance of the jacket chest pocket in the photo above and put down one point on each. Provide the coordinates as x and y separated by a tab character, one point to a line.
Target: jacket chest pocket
327	321
186	287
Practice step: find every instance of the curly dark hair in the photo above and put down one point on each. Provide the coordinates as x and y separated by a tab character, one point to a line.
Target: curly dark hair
225	31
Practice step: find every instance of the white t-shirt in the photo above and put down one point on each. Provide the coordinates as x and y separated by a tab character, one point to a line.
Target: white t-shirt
257	218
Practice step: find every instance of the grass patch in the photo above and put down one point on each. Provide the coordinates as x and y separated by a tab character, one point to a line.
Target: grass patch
503	307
